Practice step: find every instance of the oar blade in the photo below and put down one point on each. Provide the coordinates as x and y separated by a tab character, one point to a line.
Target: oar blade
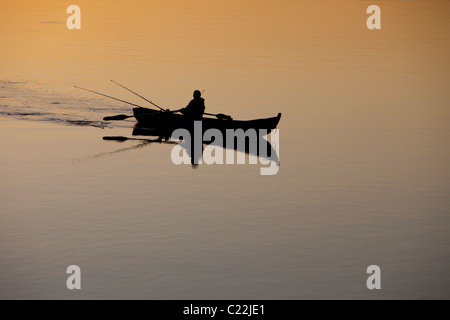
118	117
115	138
222	116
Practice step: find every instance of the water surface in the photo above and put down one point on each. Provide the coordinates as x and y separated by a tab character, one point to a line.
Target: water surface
364	150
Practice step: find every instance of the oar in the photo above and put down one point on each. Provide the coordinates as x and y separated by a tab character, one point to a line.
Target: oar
122	139
220	116
118	117
124	116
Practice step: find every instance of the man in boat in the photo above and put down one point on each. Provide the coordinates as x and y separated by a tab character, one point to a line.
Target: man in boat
196	107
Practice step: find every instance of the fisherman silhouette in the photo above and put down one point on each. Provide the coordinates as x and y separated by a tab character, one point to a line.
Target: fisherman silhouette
196	107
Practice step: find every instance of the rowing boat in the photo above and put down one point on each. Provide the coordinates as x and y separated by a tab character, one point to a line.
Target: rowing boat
152	118
169	120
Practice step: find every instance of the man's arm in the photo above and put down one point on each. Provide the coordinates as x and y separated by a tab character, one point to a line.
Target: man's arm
186	109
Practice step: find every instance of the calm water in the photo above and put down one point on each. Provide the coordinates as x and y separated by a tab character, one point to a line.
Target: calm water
364	151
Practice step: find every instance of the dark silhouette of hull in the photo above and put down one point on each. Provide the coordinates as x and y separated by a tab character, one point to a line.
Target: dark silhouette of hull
150	118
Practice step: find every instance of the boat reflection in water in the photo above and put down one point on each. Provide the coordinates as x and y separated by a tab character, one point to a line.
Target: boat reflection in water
211	151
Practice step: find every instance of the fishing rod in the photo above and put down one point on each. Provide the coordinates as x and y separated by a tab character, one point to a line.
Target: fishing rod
120	116
138	95
219	116
133	104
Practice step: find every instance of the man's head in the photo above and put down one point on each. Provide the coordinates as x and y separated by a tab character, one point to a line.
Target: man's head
197	94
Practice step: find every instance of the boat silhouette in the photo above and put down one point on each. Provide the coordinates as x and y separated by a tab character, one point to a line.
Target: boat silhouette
152	118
